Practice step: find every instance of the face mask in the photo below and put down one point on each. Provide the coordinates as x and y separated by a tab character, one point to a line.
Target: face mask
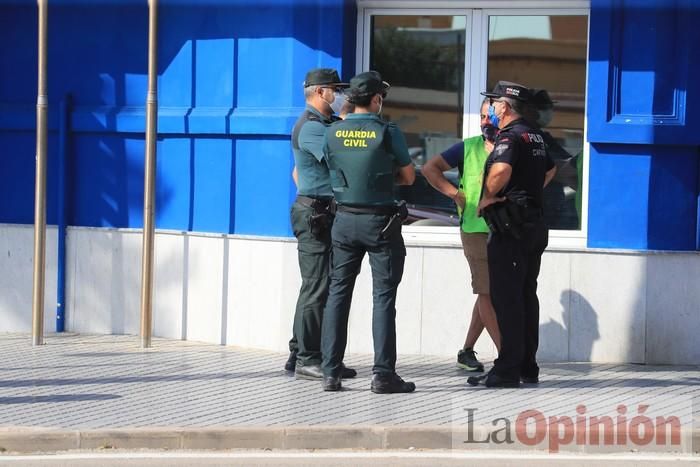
488	131
381	103
493	117
545	117
338	102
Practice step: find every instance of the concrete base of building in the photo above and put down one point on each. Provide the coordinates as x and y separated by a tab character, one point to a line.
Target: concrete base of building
596	305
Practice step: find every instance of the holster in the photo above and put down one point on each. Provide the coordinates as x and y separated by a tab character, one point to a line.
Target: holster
395	221
512	216
321	220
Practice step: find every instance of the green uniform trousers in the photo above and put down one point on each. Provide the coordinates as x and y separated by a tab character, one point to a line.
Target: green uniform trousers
354	235
314	257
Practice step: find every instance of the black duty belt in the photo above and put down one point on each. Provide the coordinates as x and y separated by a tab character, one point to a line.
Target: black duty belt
379	210
315	203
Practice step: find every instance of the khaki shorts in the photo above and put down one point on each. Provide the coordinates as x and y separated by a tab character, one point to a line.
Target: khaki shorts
474	245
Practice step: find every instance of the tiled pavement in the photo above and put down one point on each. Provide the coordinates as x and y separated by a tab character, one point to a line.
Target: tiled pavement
100	384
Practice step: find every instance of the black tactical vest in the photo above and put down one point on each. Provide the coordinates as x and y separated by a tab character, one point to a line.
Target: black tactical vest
361	169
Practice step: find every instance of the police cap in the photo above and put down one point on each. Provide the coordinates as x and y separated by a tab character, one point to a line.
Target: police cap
367	83
540	99
509	89
323	76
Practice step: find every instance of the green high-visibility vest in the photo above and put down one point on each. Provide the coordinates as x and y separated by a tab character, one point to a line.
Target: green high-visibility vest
470	184
361	169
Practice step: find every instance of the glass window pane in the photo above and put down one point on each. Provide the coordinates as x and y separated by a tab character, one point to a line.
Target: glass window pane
549	52
422	57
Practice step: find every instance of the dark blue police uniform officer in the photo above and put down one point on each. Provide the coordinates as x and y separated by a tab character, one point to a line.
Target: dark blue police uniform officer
367	157
512	204
311	217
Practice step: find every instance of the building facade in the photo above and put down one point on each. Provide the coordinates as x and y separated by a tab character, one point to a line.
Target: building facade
619	280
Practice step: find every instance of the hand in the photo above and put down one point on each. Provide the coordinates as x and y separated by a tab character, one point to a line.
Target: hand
488	201
459	200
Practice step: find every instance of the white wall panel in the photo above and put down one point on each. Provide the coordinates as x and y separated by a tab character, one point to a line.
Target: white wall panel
554	293
608	306
169	294
106	287
673	309
595	305
16	270
205	288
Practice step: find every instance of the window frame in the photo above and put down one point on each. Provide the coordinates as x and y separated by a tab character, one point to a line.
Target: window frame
477	15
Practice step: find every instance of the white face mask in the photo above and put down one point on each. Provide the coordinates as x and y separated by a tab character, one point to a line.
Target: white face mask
381	103
337	104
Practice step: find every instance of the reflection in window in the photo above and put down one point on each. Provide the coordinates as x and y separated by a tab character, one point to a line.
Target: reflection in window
549	52
422	57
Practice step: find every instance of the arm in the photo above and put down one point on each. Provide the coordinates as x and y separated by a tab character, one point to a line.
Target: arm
311	137
499	176
295	176
549	175
433	171
406	175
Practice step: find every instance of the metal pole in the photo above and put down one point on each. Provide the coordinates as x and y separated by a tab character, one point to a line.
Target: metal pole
149	179
63	136
40	185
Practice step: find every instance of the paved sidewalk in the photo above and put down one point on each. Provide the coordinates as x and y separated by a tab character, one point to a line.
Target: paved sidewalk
86	391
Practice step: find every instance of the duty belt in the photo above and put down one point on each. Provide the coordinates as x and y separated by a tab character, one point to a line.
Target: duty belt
379	210
315	203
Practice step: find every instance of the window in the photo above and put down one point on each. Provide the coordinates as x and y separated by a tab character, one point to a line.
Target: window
549	52
438	61
422	57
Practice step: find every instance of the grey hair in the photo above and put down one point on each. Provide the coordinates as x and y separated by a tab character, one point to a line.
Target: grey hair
309	91
519	107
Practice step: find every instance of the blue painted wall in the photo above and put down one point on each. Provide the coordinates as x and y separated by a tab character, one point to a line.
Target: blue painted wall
642	124
229	90
230	77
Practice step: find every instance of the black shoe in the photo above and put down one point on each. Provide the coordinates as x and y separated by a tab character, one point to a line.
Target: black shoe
308	372
466	358
332	384
390	383
529	379
495	381
477	380
347	373
291	364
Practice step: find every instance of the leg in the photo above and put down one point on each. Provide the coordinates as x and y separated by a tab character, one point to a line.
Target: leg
487	316
475	250
346	259
476	326
532	305
507	278
386	258
313	264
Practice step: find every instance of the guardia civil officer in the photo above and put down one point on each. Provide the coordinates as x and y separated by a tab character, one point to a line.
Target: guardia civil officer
516	171
311	218
367	157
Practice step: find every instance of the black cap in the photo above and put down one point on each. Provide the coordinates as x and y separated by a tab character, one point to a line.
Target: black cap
509	89
323	76
541	100
367	83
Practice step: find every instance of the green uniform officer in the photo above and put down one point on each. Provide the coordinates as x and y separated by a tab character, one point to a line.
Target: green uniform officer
366	157
311	218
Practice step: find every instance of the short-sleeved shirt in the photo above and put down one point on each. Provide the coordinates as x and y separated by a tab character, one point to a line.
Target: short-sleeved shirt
307	146
454	155
523	148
